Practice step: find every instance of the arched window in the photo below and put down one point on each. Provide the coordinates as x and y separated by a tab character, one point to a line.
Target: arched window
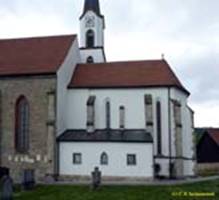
22	125
90	59
90	38
108	117
104	159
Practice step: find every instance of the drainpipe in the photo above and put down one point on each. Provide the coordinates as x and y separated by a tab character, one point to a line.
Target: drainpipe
0	128
170	136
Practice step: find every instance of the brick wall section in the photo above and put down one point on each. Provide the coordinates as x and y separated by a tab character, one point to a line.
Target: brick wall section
36	90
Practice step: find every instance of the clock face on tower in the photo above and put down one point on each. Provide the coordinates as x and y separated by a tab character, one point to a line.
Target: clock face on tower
89	21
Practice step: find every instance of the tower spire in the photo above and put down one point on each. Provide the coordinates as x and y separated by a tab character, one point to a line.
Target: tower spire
92	5
92	25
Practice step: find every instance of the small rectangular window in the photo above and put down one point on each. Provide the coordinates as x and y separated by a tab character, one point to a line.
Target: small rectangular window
131	159
122	117
77	158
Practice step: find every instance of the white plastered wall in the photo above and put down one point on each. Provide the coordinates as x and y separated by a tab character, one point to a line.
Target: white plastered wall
117	155
133	100
64	76
97	54
187	131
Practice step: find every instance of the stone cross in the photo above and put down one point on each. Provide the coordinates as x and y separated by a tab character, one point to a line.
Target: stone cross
7	188
96	178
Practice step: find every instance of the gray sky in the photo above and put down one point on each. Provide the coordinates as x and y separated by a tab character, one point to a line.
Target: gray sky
186	31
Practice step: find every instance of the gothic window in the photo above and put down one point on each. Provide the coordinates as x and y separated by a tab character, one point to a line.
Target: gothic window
22	125
122	117
104	159
90	38
108	120
91	112
90	59
158	119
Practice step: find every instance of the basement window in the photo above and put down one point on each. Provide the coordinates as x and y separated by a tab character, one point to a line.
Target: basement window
131	159
77	158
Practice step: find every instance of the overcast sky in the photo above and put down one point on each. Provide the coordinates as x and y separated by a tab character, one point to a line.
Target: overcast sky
186	31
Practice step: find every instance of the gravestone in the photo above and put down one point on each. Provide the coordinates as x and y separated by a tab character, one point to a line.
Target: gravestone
28	180
4	171
7	188
96	178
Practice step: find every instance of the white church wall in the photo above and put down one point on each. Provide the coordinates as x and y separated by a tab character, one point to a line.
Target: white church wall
97	54
132	99
189	150
164	164
117	154
64	76
187	131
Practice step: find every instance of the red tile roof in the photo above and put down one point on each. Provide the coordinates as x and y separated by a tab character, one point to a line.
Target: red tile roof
151	73
214	134
42	55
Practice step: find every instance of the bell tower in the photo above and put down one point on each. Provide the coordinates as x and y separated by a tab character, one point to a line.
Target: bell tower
92	27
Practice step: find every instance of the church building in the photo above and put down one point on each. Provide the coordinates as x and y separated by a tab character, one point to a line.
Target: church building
65	109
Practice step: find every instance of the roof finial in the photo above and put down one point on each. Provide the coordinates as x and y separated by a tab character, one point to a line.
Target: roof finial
163	56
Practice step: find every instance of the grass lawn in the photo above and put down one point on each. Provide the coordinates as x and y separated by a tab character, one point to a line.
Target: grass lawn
118	192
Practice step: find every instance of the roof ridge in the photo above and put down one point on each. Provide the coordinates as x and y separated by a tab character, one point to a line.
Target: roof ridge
124	61
38	37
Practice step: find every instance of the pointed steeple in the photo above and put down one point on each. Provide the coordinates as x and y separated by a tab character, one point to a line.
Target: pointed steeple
92	5
92	25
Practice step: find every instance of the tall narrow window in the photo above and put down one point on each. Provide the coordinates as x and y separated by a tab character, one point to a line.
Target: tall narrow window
108	120
104	159
158	119
149	119
91	113
22	125
90	59
122	117
90	38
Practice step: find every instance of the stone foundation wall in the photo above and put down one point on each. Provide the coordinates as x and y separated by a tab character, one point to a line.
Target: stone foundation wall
40	156
207	169
105	179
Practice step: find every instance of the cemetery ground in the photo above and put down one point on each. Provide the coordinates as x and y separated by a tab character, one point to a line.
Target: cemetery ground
71	192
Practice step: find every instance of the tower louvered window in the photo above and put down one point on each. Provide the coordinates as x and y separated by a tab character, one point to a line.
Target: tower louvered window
90	59
90	38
